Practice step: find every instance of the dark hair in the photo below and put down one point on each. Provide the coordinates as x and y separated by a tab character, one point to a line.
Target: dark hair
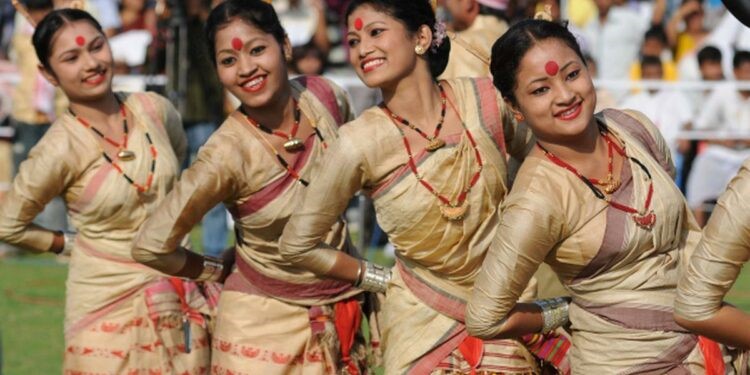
38	4
257	13
650	60
511	47
656	32
740	57
709	54
412	14
49	26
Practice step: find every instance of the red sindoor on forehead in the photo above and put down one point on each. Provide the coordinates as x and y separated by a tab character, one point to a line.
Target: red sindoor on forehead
80	41
551	68
236	44
358	24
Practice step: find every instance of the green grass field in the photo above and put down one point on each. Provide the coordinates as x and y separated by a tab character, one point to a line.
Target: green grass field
31	313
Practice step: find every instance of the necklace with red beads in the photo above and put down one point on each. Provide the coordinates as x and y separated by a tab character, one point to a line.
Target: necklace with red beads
434	142
292	144
285	164
123	153
449	209
644	218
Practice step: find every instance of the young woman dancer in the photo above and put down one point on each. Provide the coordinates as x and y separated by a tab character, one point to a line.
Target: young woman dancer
714	267
113	158
433	158
273	317
595	200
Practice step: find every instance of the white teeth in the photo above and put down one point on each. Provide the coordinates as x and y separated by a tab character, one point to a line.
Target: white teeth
570	111
372	63
255	82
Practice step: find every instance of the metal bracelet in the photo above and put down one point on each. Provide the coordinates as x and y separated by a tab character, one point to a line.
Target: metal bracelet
375	278
212	269
69	239
554	313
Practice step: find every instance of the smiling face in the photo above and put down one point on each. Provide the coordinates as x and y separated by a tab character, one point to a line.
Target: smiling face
558	104
381	50
81	62
251	63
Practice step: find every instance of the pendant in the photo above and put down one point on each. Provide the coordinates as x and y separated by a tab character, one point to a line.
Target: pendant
645	221
294	144
611	186
435	144
454	213
126	155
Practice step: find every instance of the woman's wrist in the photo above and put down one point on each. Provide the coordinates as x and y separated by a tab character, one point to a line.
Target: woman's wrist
372	277
554	312
213	269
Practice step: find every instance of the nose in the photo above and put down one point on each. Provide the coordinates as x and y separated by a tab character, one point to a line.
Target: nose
90	63
565	95
364	48
247	66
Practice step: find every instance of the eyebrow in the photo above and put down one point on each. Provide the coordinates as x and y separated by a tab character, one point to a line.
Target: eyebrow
369	25
232	50
547	77
74	49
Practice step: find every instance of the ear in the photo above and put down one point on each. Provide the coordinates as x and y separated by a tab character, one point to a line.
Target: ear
424	37
514	109
48	75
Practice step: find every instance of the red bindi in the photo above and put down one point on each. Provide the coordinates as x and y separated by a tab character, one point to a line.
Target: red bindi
236	44
551	68
80	40
358	24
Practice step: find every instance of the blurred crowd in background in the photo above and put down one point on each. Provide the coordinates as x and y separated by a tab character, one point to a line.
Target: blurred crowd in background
690	57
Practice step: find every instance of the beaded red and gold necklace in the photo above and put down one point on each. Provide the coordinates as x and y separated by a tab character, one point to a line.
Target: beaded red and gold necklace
124	154
448	209
435	143
644	218
279	158
293	143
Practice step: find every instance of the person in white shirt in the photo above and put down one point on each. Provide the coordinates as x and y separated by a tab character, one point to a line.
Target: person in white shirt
614	38
726	110
670	110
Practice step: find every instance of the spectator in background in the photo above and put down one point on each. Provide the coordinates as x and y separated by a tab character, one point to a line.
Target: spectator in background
203	113
105	11
604	97
307	59
709	63
477	23
614	38
711	69
727	109
669	110
655	44
686	41
35	102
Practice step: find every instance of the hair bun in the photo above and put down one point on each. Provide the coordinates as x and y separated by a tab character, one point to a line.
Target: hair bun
545	14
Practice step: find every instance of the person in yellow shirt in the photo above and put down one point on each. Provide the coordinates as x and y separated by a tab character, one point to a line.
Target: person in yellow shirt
655	44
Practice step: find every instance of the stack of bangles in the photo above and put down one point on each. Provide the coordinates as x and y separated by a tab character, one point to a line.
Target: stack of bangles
554	312
374	278
212	269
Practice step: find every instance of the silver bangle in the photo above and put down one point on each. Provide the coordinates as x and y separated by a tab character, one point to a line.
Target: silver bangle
212	269
375	278
554	313
69	239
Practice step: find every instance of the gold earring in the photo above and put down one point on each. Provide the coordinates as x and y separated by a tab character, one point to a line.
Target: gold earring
419	50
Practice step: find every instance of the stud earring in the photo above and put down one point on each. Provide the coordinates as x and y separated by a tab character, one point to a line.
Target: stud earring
519	117
419	50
